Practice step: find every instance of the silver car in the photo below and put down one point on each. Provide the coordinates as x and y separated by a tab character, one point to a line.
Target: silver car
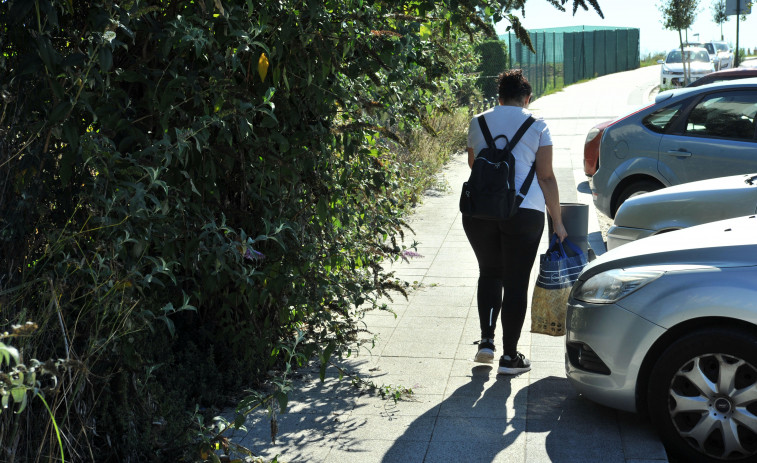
683	206
686	135
668	326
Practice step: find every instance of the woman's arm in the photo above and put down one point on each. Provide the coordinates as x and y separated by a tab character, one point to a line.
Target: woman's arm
548	183
471	157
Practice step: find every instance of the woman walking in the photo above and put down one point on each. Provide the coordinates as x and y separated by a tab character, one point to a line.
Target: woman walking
506	250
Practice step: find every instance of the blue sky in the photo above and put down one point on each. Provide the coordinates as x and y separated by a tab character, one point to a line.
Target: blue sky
641	14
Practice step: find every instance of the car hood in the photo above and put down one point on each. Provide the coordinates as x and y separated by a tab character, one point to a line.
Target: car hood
690	204
722	244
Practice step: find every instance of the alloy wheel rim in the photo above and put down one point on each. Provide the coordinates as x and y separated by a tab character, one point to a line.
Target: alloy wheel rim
713	406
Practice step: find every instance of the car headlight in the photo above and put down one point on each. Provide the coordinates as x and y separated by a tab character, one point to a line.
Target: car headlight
592	134
612	285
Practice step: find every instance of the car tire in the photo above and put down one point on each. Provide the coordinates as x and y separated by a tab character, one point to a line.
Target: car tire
634	189
702	396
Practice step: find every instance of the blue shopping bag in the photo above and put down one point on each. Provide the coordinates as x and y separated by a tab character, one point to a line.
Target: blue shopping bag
558	270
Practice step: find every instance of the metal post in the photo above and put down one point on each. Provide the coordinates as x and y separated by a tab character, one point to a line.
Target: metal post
738	20
554	60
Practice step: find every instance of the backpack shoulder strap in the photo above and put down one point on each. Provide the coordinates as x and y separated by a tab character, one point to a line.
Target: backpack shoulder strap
519	134
485	131
530	177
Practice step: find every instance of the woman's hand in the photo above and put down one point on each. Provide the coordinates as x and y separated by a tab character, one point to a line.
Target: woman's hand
559	230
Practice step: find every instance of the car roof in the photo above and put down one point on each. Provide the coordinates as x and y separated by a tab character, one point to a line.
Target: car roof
725	74
747	82
688	47
735	71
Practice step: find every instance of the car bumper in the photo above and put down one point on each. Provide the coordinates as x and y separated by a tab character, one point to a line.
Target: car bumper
668	81
618	236
617	340
602	201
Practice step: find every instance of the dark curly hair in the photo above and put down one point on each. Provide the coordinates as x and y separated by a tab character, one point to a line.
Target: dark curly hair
513	85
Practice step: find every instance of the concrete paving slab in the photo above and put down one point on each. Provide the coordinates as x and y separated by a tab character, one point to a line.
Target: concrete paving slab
440	311
397	427
422	367
456	281
501	431
373	451
509	450
415	405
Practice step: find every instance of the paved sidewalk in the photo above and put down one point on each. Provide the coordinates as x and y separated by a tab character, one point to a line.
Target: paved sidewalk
461	411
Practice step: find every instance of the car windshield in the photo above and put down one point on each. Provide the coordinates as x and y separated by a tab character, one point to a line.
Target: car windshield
721	47
691	55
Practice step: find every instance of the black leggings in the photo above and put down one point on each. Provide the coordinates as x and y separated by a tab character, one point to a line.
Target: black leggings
505	252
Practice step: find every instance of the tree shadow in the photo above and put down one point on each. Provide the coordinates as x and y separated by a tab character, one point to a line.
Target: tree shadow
315	414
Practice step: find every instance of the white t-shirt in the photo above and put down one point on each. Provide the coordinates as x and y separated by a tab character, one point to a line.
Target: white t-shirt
507	120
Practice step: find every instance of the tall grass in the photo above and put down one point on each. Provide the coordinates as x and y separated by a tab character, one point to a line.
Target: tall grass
430	147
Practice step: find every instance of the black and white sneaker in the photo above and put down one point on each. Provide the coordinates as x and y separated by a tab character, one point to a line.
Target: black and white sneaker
485	352
513	366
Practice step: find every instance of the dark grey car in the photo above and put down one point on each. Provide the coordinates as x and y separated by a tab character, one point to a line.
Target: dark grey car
686	135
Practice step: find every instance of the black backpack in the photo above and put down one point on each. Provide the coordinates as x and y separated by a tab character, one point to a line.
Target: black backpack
490	192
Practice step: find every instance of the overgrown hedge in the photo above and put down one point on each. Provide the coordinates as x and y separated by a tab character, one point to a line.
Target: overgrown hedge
189	187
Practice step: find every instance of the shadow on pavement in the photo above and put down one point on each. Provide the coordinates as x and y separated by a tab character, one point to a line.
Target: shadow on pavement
486	420
583	187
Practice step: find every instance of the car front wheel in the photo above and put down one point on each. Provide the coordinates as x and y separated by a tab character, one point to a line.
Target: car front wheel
702	396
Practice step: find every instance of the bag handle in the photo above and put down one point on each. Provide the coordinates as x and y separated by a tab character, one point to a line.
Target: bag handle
573	247
556	245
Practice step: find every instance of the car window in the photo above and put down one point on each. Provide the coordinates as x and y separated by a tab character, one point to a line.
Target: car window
700	56
709	48
721	47
673	57
724	115
660	120
691	55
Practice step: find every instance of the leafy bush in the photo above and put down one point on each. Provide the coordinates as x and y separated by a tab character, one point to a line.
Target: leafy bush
194	194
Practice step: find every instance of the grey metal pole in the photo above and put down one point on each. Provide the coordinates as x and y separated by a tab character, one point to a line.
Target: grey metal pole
738	20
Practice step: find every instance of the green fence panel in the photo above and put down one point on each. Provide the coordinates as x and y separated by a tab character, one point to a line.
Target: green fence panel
566	55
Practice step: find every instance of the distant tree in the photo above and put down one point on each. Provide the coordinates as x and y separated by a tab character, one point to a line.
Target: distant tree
718	15
493	60
679	15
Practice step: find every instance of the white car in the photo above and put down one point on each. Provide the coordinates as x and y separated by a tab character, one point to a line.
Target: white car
722	52
672	70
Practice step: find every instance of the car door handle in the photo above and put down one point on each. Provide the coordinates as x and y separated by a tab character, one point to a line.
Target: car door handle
681	154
